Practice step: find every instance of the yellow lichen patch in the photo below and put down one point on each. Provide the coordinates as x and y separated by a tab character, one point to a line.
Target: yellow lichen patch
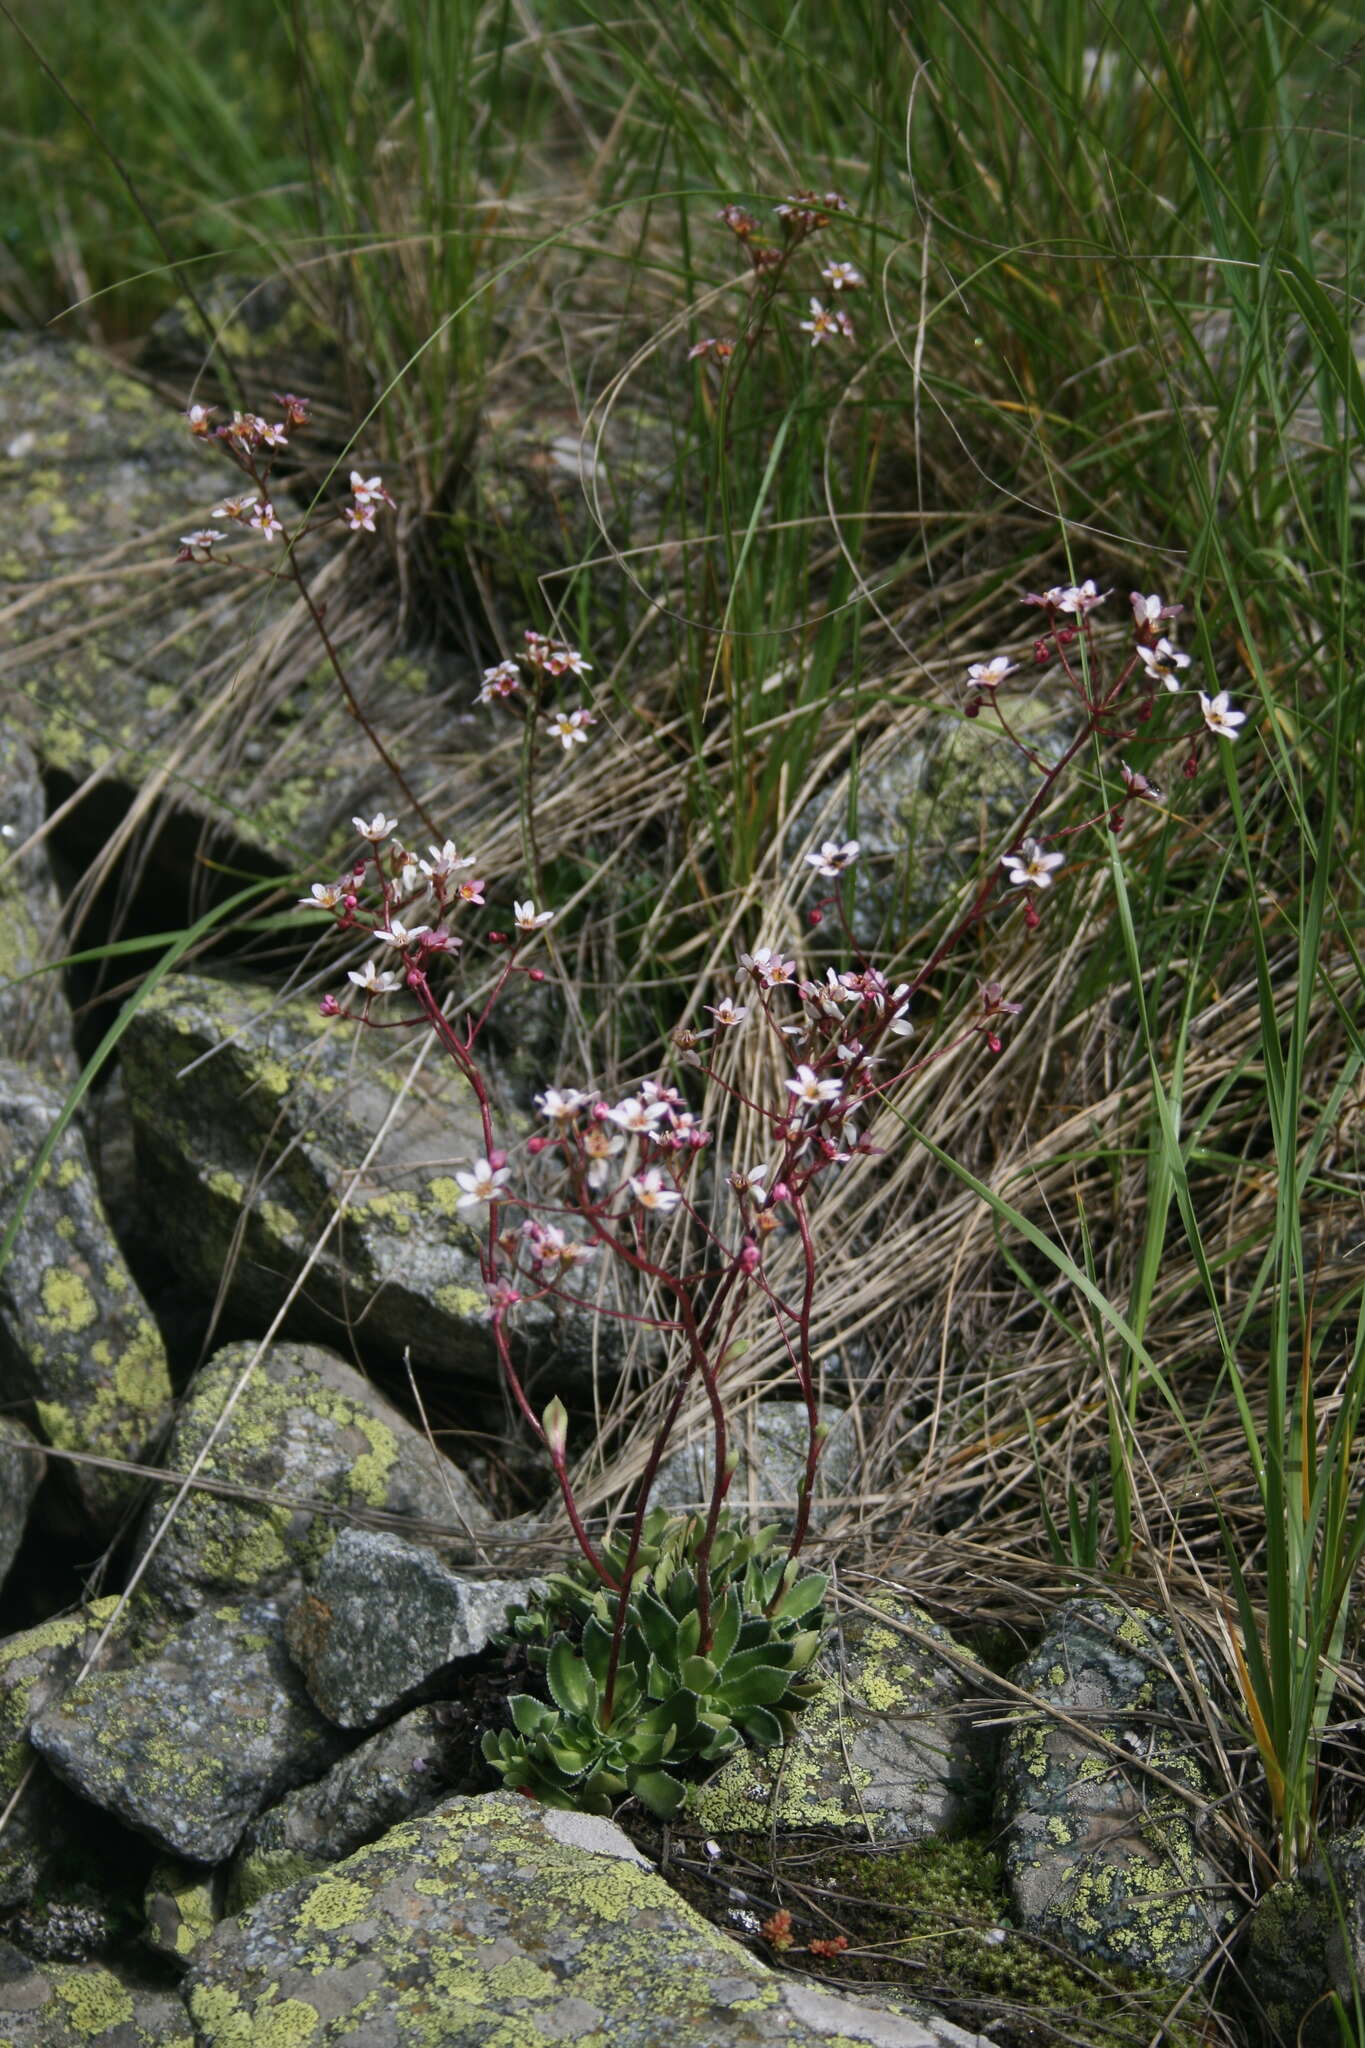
68	1304
95	2001
460	1301
445	1194
226	1185
332	1904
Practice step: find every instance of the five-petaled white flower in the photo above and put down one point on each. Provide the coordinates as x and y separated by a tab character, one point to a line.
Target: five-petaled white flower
360	516
1080	598
652	1191
1163	663
444	860
234	508
1150	611
833	858
1219	715
378	828
199	417
528	918
264	520
842	277
559	1106
499	682
271	437
570	728
833	320
989	675
635	1114
1139	786
372	981
1031	868
728	1012
481	1185
366	488
200	543
323	896
768	967
807	1087
402	935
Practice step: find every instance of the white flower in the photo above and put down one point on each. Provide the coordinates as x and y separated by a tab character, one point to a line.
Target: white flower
264	520
808	1088
1079	598
201	542
635	1114
444	860
727	1012
570	728
481	1185
1031	868
401	935
1139	786
323	896
558	660
652	1191
365	488
198	417
988	675
1219	715
748	1180
823	322
372	981
833	857
378	828
558	1107
768	967
360	516
600	1147
234	508
1150	611
842	277
499	682
1163	663
272	437
528	918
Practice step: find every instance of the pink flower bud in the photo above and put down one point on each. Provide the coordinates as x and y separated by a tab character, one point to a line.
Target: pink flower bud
1031	917
1191	767
349	901
535	1146
329	1007
749	1258
781	1193
497	1158
992	1041
815	917
535	974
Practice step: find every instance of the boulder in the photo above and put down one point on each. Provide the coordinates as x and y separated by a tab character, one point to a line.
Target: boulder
76	1339
35	1020
884	1751
489	1918
74	2005
386	1620
1306	1940
183	1903
48	1827
178	690
1100	1856
187	1735
398	1773
250	1150
21	1474
771	1440
306	1428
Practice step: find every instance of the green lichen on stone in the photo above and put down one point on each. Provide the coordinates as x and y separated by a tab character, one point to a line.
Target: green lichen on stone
445	1194
95	2001
68	1304
262	1871
332	1904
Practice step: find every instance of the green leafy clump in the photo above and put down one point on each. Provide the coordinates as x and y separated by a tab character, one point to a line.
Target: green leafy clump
677	1701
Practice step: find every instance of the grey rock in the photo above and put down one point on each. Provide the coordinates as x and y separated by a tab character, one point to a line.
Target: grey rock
771	1439
490	1918
21	1474
166	691
384	1621
250	1150
76	1339
47	1823
885	1750
183	1903
35	1020
187	1736
1099	1856
74	2005
1306	1939
398	1773
307	1428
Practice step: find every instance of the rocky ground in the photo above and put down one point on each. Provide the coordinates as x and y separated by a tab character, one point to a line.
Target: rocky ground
244	1797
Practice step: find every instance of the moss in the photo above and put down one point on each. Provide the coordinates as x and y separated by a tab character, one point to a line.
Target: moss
263	1871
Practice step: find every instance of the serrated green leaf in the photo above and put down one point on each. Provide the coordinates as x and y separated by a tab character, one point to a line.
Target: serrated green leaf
681	1596
728	1614
803	1597
530	1715
569	1680
662	1794
698	1674
763	1729
657	1625
760	1687
689	1636
596	1647
802	1650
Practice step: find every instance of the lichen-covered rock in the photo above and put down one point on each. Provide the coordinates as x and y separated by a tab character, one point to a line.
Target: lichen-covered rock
771	1440
384	1622
187	1736
73	2005
1306	1939
398	1773
48	1824
885	1749
167	687
35	1022
1099	1855
76	1340
306	1428
183	1903
268	1133
490	1920
21	1474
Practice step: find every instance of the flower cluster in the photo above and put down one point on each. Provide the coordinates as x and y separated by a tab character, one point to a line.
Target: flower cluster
252	443
801	215
543	657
